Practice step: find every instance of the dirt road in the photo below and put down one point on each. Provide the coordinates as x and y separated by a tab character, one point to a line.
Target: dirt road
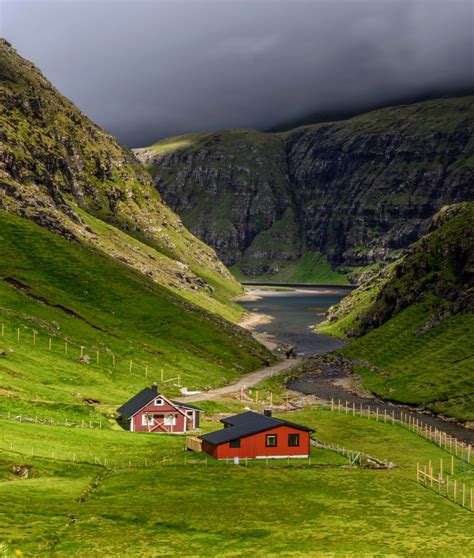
245	381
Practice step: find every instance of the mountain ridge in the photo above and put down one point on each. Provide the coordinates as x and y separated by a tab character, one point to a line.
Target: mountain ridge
358	191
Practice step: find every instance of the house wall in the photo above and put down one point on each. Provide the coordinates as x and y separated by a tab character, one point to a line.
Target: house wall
152	409
254	446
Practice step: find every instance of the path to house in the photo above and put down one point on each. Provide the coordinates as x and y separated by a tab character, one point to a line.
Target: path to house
245	381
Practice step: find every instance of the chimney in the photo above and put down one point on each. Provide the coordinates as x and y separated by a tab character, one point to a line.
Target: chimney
267	412
154	387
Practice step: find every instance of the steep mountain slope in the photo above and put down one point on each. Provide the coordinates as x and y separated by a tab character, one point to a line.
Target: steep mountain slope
411	325
353	193
61	171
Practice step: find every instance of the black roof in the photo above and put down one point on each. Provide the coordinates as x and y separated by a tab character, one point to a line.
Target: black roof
240	418
246	424
138	401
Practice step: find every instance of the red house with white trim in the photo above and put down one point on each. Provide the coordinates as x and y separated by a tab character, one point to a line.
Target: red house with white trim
150	411
255	436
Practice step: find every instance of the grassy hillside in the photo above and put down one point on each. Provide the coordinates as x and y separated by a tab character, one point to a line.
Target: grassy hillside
66	291
411	325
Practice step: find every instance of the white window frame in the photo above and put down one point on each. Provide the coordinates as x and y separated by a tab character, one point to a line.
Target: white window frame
159	402
169	420
148	419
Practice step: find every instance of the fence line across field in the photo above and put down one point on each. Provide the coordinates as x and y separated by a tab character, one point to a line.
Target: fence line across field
80	353
449	443
444	485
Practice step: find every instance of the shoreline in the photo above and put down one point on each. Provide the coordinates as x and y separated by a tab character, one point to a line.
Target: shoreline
251	321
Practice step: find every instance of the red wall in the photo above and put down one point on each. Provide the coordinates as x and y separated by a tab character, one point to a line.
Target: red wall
153	409
254	445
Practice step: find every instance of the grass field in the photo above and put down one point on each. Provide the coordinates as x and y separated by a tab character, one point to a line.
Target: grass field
82	508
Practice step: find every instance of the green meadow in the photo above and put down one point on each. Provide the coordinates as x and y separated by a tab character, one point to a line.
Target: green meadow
150	497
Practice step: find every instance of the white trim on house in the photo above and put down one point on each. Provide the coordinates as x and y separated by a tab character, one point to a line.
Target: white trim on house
164	398
158	402
277	457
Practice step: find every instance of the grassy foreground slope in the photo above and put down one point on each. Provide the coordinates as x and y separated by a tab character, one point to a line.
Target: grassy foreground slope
65	291
411	326
73	505
60	170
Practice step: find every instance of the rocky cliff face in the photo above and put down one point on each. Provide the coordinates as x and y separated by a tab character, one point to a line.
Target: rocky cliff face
355	193
60	170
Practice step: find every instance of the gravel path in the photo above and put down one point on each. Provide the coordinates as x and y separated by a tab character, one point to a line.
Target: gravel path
245	381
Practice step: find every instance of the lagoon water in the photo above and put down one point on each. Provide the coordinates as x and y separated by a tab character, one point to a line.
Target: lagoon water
294	315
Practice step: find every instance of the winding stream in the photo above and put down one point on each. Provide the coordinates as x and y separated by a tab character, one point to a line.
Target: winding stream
294	314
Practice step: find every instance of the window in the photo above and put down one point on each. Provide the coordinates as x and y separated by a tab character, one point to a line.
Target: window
293	440
234	444
271	440
148	420
158	401
170	420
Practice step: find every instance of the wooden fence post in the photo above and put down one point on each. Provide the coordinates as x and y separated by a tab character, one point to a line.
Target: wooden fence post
452	465
97	356
65	348
3	330
82	351
49	344
18	334
113	360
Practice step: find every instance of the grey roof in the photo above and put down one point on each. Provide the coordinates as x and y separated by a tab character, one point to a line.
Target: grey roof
138	401
246	424
186	405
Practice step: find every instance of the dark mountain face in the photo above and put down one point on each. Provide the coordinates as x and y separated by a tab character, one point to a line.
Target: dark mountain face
60	170
354	193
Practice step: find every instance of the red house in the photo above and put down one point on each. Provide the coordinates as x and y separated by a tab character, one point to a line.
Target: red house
150	411
254	435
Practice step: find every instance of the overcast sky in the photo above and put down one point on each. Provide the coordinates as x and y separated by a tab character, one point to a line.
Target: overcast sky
147	69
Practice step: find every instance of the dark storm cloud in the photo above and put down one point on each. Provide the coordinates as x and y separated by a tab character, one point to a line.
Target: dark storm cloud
148	69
